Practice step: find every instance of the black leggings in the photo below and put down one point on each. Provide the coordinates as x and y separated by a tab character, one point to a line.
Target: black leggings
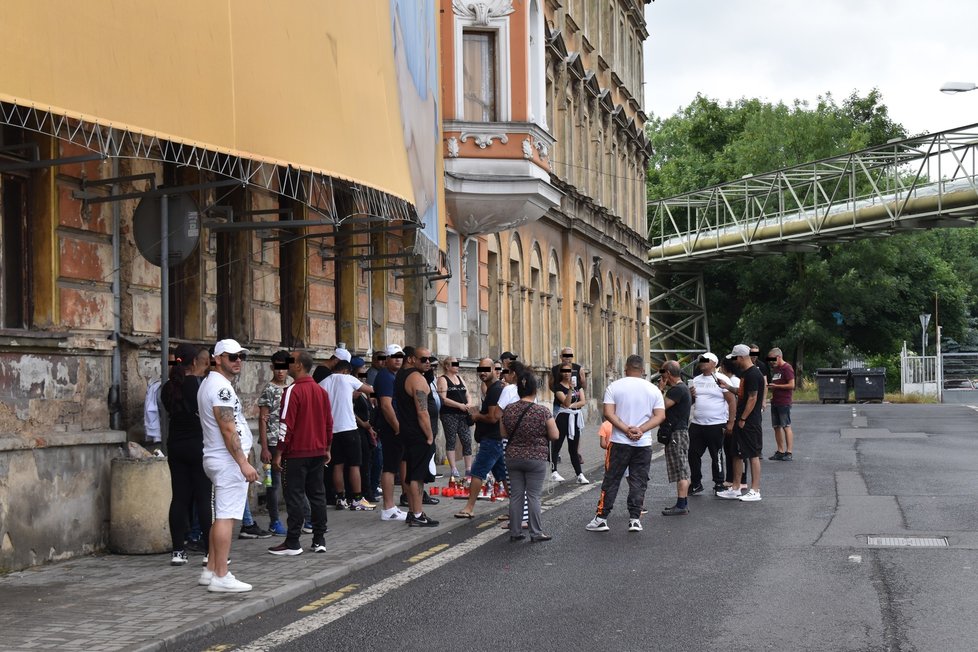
555	446
190	487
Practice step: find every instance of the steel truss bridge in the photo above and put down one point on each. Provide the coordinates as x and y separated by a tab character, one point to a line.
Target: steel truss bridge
922	182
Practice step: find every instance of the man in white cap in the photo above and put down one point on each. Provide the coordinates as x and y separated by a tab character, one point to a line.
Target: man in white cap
227	442
714	410
747	432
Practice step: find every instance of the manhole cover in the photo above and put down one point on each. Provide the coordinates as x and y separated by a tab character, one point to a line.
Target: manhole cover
908	542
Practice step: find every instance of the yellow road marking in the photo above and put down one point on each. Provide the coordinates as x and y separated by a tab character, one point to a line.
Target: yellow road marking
330	598
426	553
485	525
220	647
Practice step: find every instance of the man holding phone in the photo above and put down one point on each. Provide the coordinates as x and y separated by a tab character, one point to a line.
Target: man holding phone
782	388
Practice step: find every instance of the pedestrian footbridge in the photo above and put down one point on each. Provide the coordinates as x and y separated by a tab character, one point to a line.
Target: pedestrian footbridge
922	182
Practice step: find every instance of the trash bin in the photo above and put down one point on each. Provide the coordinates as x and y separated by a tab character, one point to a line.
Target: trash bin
833	385
869	384
139	506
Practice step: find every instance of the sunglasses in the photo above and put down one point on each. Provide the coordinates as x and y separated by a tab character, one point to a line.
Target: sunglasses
234	357
429	358
567	355
483	370
455	364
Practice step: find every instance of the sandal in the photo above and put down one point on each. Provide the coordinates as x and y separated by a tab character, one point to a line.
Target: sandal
465	515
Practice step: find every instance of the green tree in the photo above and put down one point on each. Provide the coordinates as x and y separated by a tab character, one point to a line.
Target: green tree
860	297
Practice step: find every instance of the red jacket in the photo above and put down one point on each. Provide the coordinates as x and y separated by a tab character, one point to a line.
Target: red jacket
308	420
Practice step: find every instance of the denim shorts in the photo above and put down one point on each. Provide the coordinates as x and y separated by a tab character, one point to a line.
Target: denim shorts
780	416
489	458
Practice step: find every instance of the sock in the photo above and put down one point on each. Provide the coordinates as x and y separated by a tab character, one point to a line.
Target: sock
418	514
681	503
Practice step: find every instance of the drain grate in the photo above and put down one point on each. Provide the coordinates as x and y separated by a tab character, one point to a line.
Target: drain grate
908	542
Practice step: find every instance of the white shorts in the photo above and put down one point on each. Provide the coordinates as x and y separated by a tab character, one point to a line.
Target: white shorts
230	488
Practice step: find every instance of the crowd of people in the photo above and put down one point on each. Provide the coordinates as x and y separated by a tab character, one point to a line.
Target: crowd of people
347	432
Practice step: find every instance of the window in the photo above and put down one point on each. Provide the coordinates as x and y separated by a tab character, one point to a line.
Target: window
479	76
15	263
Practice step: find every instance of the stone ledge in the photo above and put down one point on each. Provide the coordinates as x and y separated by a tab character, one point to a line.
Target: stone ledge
62	439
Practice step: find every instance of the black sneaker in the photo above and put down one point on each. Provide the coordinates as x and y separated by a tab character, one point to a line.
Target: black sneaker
428	500
718	487
786	457
777	457
421	521
253	531
675	511
698	489
404	500
318	546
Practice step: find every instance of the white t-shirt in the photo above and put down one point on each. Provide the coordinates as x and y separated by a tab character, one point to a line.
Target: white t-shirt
217	391
509	395
340	388
710	407
635	399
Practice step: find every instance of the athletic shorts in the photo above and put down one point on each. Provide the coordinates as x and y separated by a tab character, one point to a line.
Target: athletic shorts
230	488
393	451
417	458
345	448
677	456
780	416
748	440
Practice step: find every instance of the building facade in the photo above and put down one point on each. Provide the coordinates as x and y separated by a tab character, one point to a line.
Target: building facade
545	158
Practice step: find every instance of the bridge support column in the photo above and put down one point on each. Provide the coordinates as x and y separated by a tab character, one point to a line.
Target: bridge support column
677	316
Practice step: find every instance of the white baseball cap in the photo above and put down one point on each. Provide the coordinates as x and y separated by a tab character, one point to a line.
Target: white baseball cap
709	356
393	349
739	351
342	354
228	346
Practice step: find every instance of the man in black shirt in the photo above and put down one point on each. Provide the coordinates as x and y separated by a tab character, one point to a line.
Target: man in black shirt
578	375
490	454
678	404
411	392
747	427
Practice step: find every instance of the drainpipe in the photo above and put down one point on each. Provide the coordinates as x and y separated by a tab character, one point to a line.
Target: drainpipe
115	390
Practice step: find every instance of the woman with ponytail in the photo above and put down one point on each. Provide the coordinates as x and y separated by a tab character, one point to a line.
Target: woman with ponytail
185	448
529	428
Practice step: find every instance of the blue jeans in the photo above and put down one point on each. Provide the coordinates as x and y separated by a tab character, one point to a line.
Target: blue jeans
489	458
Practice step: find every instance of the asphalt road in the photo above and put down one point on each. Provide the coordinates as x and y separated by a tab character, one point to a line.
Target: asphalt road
792	572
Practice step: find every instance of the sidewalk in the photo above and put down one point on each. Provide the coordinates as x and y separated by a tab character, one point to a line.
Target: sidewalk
118	602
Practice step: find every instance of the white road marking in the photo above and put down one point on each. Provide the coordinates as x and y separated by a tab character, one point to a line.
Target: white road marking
856	559
337	610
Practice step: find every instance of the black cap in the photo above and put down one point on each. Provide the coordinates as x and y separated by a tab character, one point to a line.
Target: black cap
508	356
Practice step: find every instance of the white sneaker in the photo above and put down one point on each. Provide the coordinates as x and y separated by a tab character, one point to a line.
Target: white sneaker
634	525
582	480
227	584
597	524
729	494
751	496
393	514
556	477
205	577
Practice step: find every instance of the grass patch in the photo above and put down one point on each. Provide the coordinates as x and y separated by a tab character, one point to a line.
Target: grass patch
809	394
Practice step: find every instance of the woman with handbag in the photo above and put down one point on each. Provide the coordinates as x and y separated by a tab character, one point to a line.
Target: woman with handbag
528	429
455	419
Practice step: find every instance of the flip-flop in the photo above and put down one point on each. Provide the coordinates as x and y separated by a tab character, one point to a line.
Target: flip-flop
464	515
502	517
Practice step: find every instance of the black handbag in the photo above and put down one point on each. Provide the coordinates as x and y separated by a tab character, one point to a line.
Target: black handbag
664	435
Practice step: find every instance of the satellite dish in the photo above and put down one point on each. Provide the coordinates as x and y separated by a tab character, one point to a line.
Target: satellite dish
183	218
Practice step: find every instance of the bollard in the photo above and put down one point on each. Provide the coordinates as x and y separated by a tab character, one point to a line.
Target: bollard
139	506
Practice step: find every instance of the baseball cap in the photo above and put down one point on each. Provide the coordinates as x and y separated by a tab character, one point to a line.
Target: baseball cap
709	356
508	356
739	351
357	362
342	354
228	346
393	349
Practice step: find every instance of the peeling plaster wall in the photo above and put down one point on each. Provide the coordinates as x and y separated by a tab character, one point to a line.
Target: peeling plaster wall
54	501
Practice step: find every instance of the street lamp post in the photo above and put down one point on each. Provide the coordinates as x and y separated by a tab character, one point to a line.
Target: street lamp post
958	87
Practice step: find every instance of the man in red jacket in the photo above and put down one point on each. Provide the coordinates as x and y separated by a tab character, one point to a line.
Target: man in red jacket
303	451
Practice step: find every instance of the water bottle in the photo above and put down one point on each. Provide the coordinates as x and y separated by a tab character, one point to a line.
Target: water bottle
268	475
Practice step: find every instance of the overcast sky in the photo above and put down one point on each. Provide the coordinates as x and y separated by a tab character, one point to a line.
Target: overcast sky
787	49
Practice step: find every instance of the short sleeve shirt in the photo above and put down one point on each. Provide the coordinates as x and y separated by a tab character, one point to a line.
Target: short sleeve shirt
635	400
271	397
340	388
508	396
782	374
751	381
489	430
529	440
678	414
710	408
383	386
217	391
